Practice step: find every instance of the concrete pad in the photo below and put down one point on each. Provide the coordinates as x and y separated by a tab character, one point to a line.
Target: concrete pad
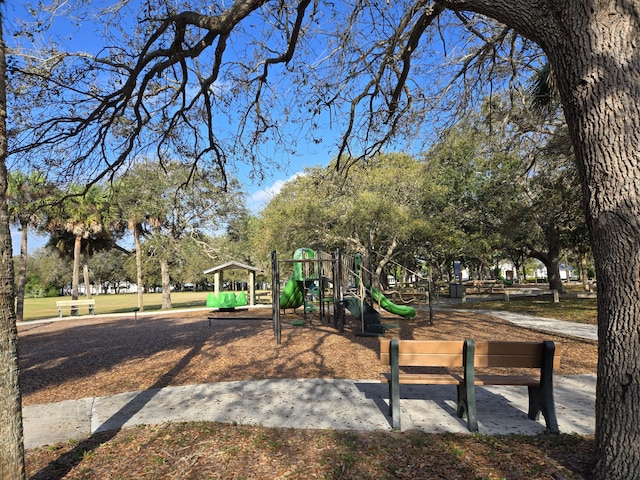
56	422
311	403
559	327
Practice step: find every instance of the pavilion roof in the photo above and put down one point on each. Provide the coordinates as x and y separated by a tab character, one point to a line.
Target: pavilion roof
232	265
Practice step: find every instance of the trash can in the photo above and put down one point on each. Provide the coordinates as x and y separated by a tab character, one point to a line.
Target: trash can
456	290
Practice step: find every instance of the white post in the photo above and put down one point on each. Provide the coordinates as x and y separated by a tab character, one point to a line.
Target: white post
252	288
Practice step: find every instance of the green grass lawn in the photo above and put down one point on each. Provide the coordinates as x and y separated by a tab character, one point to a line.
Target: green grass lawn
582	310
38	308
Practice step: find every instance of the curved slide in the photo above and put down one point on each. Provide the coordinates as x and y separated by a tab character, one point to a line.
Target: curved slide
401	310
293	294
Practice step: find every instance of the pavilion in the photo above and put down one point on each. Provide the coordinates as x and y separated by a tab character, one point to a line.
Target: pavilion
219	277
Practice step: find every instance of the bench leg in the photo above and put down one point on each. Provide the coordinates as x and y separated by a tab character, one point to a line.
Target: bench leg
59	312
541	401
467	405
394	384
394	404
91	312
466	388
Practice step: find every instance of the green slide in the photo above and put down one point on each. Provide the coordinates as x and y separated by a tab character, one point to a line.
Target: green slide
389	306
293	294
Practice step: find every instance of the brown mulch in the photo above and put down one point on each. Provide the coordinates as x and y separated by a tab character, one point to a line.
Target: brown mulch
93	356
88	356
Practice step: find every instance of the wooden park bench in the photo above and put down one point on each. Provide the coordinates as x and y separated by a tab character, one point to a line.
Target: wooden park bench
542	357
468	356
486	286
422	353
75	304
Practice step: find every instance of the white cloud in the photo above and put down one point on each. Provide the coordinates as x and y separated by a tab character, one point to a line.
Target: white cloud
259	199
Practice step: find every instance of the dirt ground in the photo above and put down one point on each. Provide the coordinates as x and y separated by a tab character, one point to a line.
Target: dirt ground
97	356
93	356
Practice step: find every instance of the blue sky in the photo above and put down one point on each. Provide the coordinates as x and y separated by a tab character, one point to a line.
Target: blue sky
79	36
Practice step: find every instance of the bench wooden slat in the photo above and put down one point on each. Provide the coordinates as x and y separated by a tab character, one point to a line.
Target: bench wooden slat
70	303
422	346
508	348
514	361
511	354
516	380
430	360
424	379
425	353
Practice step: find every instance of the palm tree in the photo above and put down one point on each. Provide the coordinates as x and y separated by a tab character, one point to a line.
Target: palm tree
26	197
83	223
134	205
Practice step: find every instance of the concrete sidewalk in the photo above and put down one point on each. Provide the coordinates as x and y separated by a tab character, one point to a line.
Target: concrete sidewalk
559	327
324	403
310	403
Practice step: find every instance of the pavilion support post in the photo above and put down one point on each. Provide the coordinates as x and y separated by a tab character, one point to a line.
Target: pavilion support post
218	281
252	287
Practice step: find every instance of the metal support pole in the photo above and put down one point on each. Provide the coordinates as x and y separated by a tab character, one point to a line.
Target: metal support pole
275	297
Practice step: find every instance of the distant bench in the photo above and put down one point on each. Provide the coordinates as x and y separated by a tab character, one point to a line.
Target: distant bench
468	356
486	286
75	304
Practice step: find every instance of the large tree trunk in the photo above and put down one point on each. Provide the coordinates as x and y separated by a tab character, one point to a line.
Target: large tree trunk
553	276
598	70
22	272
11	440
384	261
593	48
87	284
75	276
584	277
551	261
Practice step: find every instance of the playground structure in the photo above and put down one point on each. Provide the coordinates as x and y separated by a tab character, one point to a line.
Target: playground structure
309	268
332	280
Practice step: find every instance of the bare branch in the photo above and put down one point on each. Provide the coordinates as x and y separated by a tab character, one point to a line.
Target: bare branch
144	109
426	19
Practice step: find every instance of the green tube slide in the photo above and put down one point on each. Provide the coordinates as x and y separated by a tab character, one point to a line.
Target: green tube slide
293	294
389	306
301	254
